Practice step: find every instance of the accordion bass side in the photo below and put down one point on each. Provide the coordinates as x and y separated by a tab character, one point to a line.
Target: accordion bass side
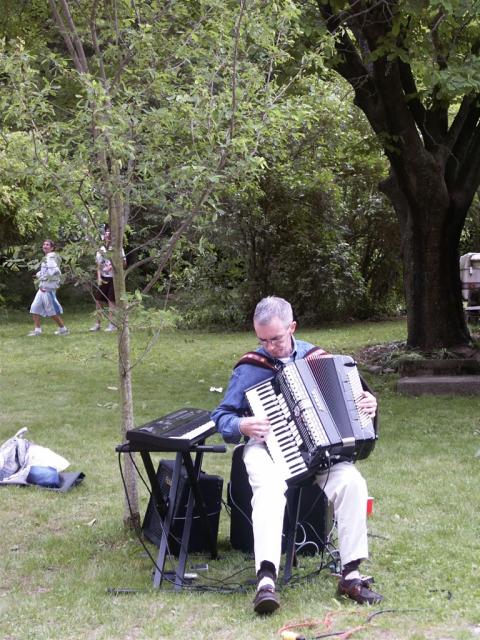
312	405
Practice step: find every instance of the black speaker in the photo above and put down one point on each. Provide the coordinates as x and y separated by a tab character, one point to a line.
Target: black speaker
315	518
239	499
211	490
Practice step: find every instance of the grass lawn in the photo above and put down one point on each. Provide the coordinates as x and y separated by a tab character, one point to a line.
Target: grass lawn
60	553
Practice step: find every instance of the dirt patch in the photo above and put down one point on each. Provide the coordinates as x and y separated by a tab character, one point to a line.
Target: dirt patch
385	357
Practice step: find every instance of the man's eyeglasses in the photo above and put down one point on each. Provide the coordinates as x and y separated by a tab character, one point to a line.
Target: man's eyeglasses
275	340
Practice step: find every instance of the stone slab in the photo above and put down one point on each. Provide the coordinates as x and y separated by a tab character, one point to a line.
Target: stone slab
445	367
439	385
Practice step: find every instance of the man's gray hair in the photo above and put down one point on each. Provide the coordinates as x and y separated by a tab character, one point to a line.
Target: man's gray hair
273	307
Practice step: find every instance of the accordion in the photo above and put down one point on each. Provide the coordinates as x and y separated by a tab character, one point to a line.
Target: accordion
312	405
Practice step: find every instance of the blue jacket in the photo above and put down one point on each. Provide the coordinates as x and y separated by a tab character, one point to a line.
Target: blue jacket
234	405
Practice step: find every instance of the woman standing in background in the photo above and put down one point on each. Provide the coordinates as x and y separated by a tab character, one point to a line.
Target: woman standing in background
45	303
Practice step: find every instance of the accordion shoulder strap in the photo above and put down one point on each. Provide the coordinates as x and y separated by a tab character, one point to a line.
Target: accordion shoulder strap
255	358
258	360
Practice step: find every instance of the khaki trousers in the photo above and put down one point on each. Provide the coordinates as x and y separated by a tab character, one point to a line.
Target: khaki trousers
344	487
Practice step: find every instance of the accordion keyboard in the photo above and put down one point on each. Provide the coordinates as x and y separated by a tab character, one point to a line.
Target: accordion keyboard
284	439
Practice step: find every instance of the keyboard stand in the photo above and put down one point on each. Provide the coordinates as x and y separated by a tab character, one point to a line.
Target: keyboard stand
166	510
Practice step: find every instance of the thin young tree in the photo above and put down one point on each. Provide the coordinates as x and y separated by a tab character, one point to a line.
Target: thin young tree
148	108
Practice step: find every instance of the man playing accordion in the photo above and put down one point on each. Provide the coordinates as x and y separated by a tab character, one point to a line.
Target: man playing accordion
342	483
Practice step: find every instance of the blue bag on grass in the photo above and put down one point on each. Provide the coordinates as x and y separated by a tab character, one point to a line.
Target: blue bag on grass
44	476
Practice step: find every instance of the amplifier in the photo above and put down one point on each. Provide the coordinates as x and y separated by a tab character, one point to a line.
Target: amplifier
211	490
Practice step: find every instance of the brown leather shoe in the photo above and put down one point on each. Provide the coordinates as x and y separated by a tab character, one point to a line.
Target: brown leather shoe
359	590
266	600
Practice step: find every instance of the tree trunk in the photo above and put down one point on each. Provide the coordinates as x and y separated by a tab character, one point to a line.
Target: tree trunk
131	517
432	285
430	252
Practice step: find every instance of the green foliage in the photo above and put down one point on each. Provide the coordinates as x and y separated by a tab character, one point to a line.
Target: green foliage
28	199
164	108
191	125
471	232
312	227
